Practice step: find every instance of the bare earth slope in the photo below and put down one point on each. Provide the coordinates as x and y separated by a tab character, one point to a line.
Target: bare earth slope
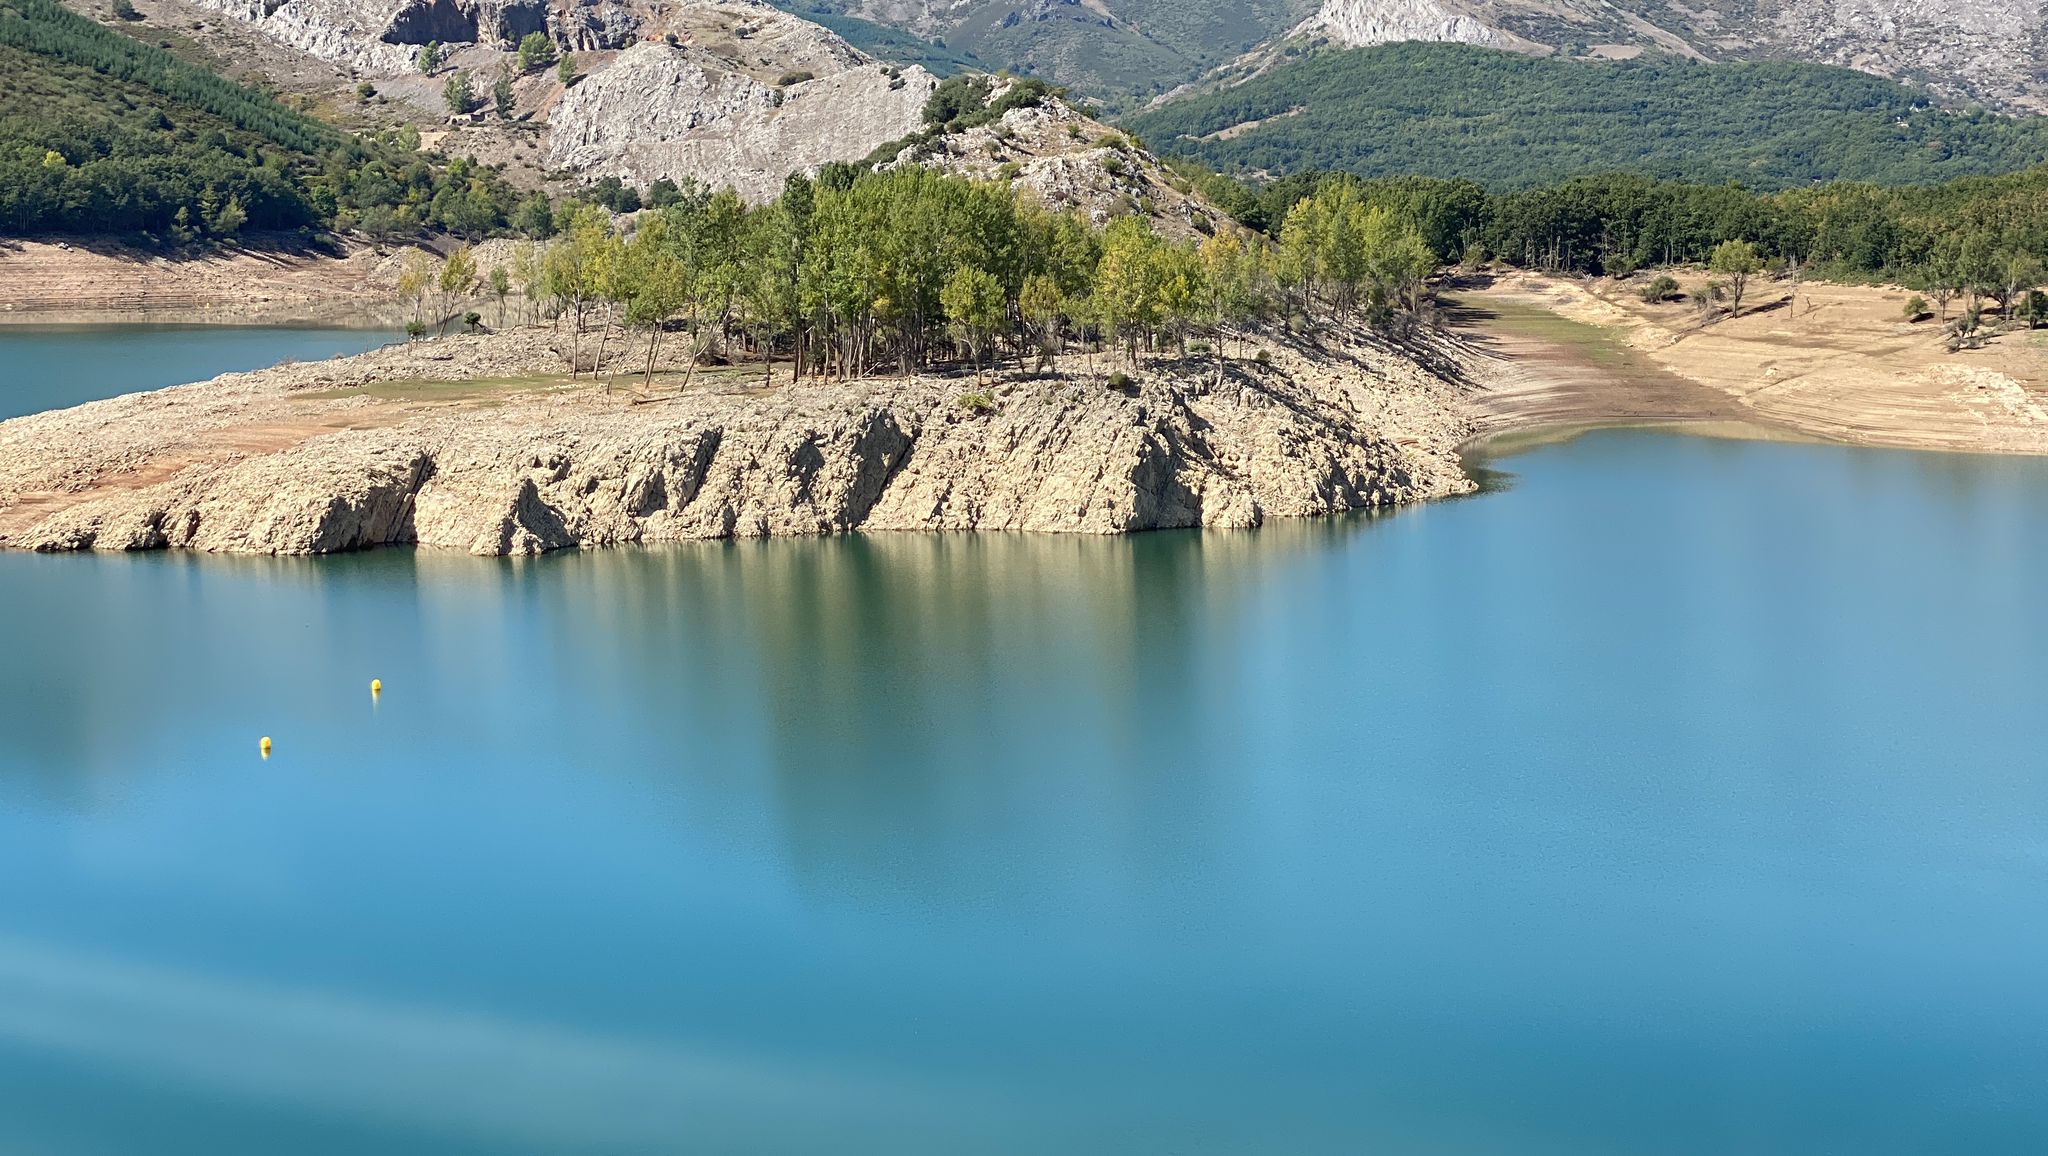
511	459
52	281
1839	362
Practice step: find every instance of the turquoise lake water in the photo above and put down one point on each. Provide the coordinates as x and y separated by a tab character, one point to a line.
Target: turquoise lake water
1684	797
53	366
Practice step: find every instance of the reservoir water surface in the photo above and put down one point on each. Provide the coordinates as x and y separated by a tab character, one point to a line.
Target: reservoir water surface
1683	797
53	366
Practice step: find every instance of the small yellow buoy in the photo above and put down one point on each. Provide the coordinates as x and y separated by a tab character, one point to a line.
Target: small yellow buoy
265	745
376	686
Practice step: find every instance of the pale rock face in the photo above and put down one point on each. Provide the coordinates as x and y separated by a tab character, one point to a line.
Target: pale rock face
383	36
1985	50
662	111
1356	23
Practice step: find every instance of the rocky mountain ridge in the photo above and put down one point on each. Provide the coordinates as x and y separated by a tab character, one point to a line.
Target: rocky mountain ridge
1994	52
1990	52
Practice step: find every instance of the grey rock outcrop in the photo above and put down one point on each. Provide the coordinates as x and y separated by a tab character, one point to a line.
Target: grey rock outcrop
1355	23
384	35
661	110
1068	161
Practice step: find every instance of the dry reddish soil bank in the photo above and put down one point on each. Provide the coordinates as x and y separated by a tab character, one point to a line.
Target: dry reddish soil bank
1838	362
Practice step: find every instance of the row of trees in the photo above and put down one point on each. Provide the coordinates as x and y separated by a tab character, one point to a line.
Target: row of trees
1978	237
899	269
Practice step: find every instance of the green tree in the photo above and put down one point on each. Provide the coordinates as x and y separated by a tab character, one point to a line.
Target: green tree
974	303
2034	310
535	217
416	278
460	93
654	284
526	277
1127	283
457	281
2019	271
1232	270
502	96
1184	299
569	270
1402	267
227	220
429	59
536	50
1940	276
566	70
1738	262
501	288
1042	306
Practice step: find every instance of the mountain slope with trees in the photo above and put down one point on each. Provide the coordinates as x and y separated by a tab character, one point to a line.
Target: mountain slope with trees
103	134
1511	121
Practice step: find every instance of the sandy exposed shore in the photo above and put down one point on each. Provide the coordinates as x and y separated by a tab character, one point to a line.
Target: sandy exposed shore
1839	363
62	282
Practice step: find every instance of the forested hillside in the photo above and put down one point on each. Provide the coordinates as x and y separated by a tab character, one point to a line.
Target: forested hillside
1510	121
103	134
1975	235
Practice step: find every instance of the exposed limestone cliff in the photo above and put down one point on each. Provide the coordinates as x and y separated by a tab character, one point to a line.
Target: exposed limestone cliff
1991	51
355	453
383	36
666	111
1356	23
730	92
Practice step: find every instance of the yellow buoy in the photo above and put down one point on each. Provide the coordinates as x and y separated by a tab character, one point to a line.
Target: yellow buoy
376	686
265	745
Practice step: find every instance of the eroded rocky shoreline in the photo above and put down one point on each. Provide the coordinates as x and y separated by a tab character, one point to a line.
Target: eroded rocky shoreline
480	443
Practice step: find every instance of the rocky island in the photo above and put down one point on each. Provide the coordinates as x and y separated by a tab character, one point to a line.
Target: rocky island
479	443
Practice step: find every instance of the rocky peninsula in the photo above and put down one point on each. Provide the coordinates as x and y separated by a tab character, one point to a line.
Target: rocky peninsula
483	443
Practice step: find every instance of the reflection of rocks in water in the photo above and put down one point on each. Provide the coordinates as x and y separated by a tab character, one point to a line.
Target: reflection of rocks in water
884	673
867	710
